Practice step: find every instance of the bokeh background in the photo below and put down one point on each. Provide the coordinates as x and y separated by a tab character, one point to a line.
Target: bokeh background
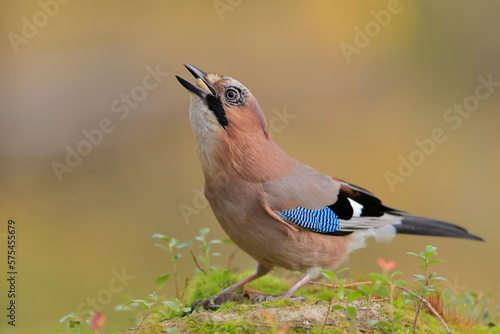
352	119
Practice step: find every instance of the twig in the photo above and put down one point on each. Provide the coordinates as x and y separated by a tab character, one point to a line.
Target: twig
143	318
327	314
337	285
429	306
197	264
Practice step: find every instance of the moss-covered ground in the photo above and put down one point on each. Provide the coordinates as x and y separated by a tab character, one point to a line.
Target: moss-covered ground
284	316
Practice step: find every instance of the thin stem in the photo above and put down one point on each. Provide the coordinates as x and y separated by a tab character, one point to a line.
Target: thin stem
327	314
197	264
429	306
176	280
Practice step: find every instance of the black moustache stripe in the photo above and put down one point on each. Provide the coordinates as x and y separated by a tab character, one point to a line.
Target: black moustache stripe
215	105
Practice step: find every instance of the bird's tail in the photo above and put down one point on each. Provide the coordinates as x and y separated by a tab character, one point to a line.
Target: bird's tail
426	226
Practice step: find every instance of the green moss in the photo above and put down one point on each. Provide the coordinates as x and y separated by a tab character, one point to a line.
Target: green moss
267	284
203	285
225	327
228	306
278	303
249	318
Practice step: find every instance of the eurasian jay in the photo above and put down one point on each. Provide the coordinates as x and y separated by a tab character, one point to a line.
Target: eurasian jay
278	210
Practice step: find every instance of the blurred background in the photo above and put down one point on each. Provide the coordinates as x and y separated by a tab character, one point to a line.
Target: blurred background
358	83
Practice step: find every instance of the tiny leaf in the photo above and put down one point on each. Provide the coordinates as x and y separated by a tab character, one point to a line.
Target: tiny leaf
162	247
414	254
160	280
399	282
161	312
326	295
160	236
351	311
384	324
71	316
173	242
341	270
172	305
378	277
419	277
430	249
397	316
396	273
439	278
329	275
365	289
353	296
185	244
204	231
382	292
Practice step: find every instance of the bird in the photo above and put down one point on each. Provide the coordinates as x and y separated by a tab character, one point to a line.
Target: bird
280	211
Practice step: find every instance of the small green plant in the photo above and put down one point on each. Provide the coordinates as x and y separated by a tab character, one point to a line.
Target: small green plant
206	248
153	305
93	320
371	307
425	281
73	320
379	288
344	295
170	246
475	306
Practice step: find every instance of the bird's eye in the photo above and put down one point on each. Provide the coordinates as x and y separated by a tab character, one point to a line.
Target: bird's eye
232	94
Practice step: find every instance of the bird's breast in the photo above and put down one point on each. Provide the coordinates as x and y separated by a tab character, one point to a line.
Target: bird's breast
238	206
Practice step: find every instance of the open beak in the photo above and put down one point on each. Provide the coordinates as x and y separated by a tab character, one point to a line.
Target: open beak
202	88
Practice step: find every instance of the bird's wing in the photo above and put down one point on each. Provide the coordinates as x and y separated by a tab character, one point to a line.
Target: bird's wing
302	186
322	204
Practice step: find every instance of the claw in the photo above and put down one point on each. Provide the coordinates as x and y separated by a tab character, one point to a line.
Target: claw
215	301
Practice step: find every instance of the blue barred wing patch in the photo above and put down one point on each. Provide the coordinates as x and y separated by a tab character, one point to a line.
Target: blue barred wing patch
319	221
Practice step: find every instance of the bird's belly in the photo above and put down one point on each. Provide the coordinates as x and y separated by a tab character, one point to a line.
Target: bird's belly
272	243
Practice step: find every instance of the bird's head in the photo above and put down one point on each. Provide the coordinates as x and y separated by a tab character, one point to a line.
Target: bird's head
220	103
225	116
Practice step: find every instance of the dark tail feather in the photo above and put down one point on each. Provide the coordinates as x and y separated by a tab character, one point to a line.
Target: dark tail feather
432	227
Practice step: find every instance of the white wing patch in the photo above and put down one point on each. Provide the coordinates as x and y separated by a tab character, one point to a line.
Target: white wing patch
363	223
357	208
380	228
382	234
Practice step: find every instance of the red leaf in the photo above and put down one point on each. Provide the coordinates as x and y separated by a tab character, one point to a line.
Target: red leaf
97	321
387	266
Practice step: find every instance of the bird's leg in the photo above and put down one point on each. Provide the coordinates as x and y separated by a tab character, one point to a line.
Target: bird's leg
226	295
288	294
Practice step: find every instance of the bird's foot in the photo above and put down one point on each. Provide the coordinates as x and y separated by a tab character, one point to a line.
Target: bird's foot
215	301
265	298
